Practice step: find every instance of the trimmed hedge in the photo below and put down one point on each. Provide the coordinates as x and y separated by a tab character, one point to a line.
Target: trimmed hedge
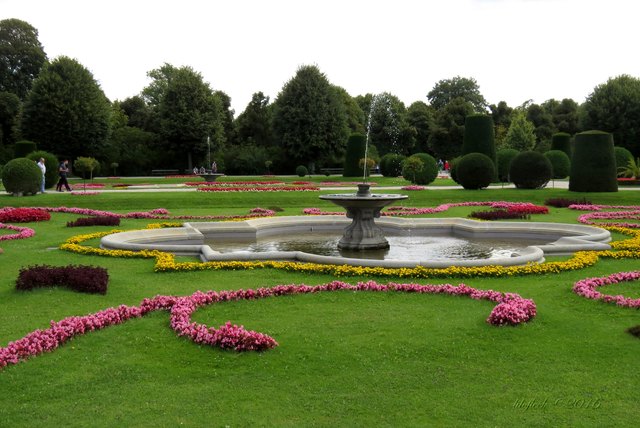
475	171
391	165
95	221
593	165
22	148
21	176
429	170
302	171
561	141
355	151
560	163
50	162
530	170
623	157
504	158
479	136
85	279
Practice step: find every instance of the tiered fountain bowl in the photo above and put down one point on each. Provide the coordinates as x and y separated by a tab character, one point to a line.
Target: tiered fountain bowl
363	208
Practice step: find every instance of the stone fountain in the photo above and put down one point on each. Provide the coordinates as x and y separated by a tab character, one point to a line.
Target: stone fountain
363	207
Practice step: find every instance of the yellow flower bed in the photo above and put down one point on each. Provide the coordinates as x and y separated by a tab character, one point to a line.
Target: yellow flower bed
165	262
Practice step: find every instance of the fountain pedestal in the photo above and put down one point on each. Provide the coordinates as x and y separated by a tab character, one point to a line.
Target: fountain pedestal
363	207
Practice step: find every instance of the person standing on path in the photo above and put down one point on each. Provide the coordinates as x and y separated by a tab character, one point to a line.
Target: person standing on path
63	169
43	168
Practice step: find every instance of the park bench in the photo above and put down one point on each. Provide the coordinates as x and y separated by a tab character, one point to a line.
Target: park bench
165	171
329	171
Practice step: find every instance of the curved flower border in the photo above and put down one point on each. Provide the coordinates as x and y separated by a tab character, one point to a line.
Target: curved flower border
23	232
511	309
587	289
521	207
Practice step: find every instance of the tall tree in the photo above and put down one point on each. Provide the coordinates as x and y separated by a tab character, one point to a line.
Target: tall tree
564	115
253	125
387	125
614	107
227	115
447	90
542	122
189	113
66	111
446	137
137	111
9	109
420	117
355	115
21	56
521	135
501	115
309	118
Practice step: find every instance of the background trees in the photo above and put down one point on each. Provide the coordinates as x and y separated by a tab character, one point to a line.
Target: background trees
309	120
21	56
614	107
66	112
447	90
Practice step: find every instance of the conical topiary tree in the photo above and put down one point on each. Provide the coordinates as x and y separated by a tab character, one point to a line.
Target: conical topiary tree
355	151
561	141
593	164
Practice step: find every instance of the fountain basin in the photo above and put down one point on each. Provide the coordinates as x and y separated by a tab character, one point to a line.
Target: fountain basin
190	239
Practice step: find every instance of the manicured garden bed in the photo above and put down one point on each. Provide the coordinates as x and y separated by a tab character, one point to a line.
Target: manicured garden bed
343	358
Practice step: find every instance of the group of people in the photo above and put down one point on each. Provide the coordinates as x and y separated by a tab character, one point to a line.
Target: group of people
63	170
202	170
443	166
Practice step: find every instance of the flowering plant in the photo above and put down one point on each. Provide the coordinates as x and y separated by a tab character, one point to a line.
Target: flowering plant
23	215
587	288
23	232
511	309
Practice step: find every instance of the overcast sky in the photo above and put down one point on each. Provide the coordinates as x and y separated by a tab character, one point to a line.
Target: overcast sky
516	49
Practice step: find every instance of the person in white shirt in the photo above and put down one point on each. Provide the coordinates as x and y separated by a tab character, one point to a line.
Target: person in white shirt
43	168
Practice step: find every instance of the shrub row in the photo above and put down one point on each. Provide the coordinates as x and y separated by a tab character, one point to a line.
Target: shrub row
95	221
85	279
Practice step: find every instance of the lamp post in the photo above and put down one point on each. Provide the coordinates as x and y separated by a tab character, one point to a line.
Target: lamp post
208	153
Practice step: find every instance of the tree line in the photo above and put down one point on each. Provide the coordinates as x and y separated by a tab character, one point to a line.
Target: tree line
178	120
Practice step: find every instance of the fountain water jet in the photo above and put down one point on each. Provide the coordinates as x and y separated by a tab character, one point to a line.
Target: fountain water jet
364	207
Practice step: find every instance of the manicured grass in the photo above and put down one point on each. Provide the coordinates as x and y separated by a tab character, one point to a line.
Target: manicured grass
345	358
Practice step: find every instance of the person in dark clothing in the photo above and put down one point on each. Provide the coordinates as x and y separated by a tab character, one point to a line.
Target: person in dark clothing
63	169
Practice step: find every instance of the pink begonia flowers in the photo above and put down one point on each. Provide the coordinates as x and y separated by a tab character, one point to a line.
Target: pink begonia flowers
511	309
587	288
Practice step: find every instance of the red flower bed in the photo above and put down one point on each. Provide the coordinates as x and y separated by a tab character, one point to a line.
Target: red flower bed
23	215
85	279
258	189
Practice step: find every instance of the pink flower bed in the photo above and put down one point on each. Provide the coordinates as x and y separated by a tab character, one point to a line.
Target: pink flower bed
159	214
23	215
79	186
511	309
587	288
233	183
519	207
591	218
85	193
412	187
258	189
23	232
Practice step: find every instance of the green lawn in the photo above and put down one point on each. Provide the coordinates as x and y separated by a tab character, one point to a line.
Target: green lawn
344	358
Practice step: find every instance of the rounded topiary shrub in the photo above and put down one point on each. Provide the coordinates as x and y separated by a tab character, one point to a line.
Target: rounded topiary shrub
530	170
22	148
391	165
302	171
504	158
21	176
561	141
425	173
623	157
50	162
560	163
593	164
475	171
355	151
